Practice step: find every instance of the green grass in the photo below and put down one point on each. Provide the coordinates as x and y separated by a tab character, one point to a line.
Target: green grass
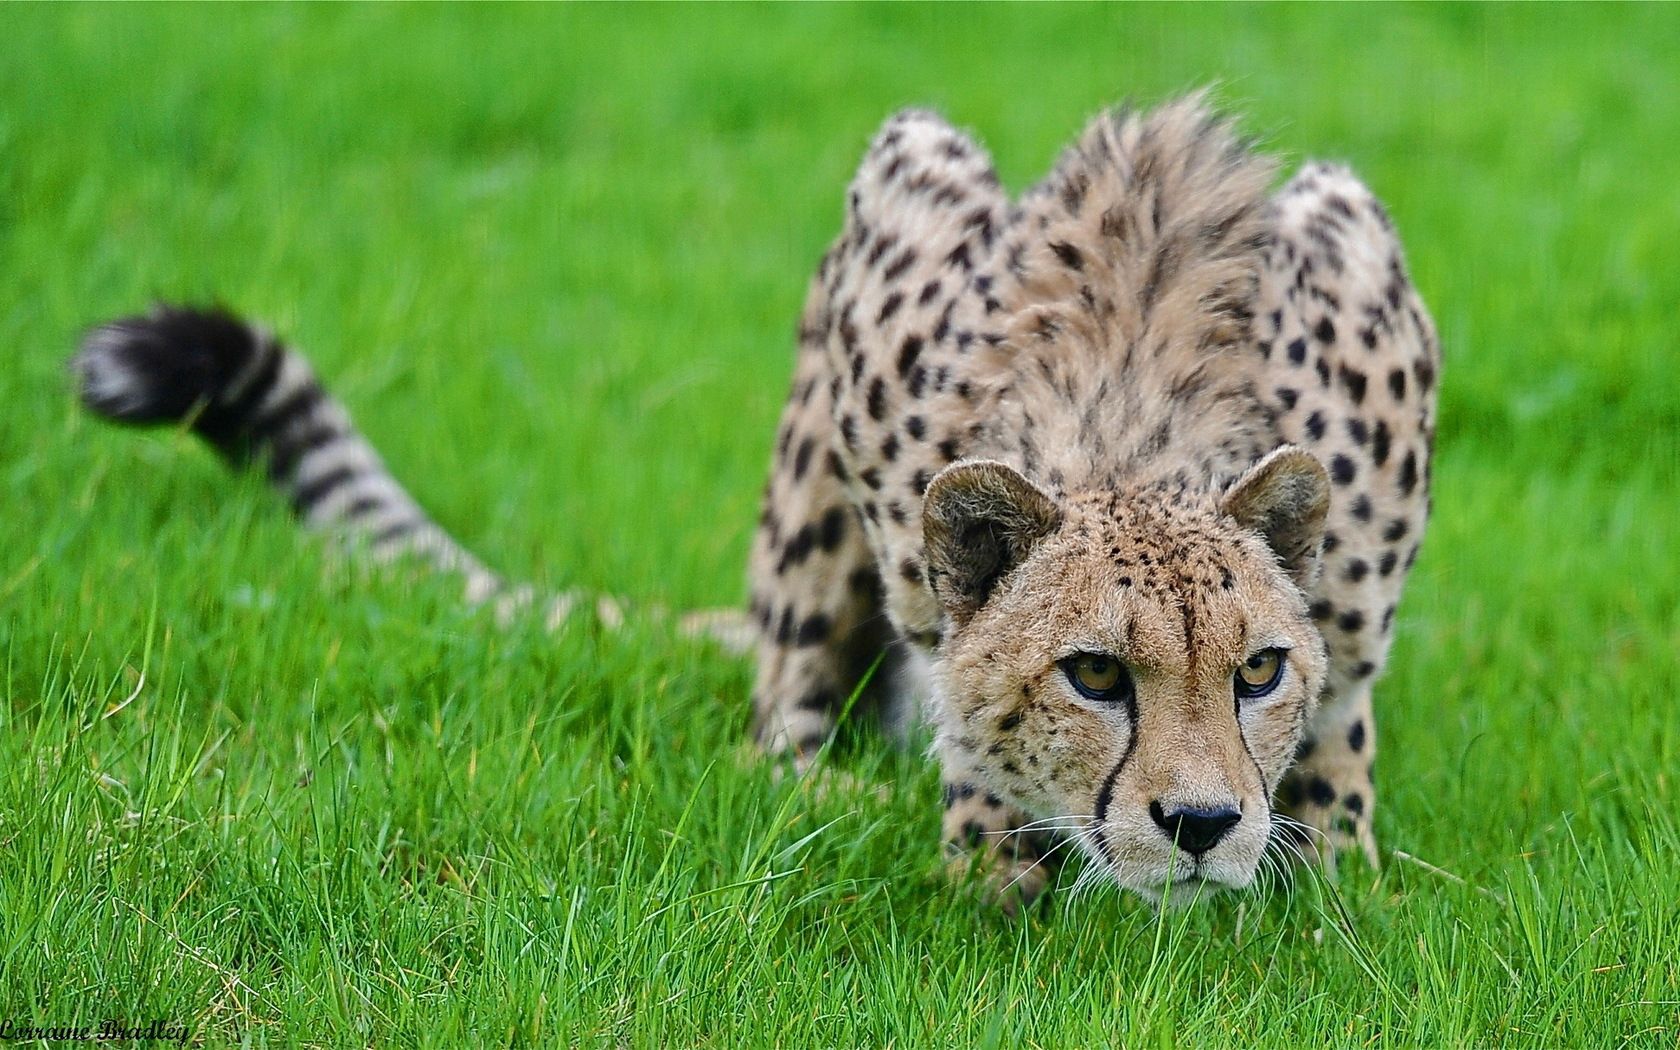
552	258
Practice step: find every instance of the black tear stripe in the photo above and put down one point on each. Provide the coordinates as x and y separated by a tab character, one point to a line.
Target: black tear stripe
1265	788
1105	794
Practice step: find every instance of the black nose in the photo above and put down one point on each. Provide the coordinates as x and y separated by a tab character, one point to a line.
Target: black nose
1195	830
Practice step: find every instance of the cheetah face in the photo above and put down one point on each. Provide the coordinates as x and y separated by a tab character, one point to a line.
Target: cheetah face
1134	667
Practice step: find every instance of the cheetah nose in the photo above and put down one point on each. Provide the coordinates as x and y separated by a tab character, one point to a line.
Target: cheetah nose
1195	830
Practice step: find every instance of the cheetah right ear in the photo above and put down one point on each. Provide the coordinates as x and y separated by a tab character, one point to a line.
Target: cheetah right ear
980	519
1285	498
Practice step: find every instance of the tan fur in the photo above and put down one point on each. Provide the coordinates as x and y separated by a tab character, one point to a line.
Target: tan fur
1024	431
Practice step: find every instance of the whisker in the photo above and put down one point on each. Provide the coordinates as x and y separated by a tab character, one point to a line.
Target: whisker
1035	825
1032	828
1043	858
1306	829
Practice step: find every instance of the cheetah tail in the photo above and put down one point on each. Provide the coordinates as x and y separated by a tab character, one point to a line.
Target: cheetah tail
259	405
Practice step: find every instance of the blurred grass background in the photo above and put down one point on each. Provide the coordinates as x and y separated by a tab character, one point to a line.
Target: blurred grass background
551	257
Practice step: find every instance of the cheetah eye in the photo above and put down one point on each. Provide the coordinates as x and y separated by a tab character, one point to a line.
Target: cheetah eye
1259	675
1098	677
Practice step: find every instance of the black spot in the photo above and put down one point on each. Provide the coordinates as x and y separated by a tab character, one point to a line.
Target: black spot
1364	669
1361	508
1356	570
1287	396
1010	721
1321	609
1354	381
877	401
889	448
1351	621
882	243
1385	566
1320	791
910	570
1354	804
798	548
948	450
1388	618
1395	530
1408	473
1297	350
1356	735
1068	254
915	427
1342	469
1425	373
802	458
1325	332
889	306
1379	444
899	265
929	290
973	833
1357	430
833	528
1305	748
1397	383
814	630
1315	426
908	351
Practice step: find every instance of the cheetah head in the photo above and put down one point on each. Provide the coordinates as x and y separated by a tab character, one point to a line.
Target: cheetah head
1137	665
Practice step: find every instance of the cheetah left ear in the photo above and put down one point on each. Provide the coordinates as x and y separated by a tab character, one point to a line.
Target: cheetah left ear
1285	498
980	519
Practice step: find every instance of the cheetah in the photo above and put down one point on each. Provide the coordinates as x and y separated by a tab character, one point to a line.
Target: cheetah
1131	470
1122	478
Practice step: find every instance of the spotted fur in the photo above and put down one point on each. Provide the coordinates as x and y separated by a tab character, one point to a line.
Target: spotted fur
1020	429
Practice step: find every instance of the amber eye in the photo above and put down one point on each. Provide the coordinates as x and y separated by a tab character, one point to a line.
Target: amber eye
1098	676
1260	674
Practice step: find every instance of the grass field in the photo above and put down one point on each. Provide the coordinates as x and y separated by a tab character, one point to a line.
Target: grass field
552	259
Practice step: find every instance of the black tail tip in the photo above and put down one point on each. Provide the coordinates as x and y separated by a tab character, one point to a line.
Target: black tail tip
158	367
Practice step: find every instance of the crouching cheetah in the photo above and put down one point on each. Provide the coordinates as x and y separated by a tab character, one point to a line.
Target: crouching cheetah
1126	476
1134	468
